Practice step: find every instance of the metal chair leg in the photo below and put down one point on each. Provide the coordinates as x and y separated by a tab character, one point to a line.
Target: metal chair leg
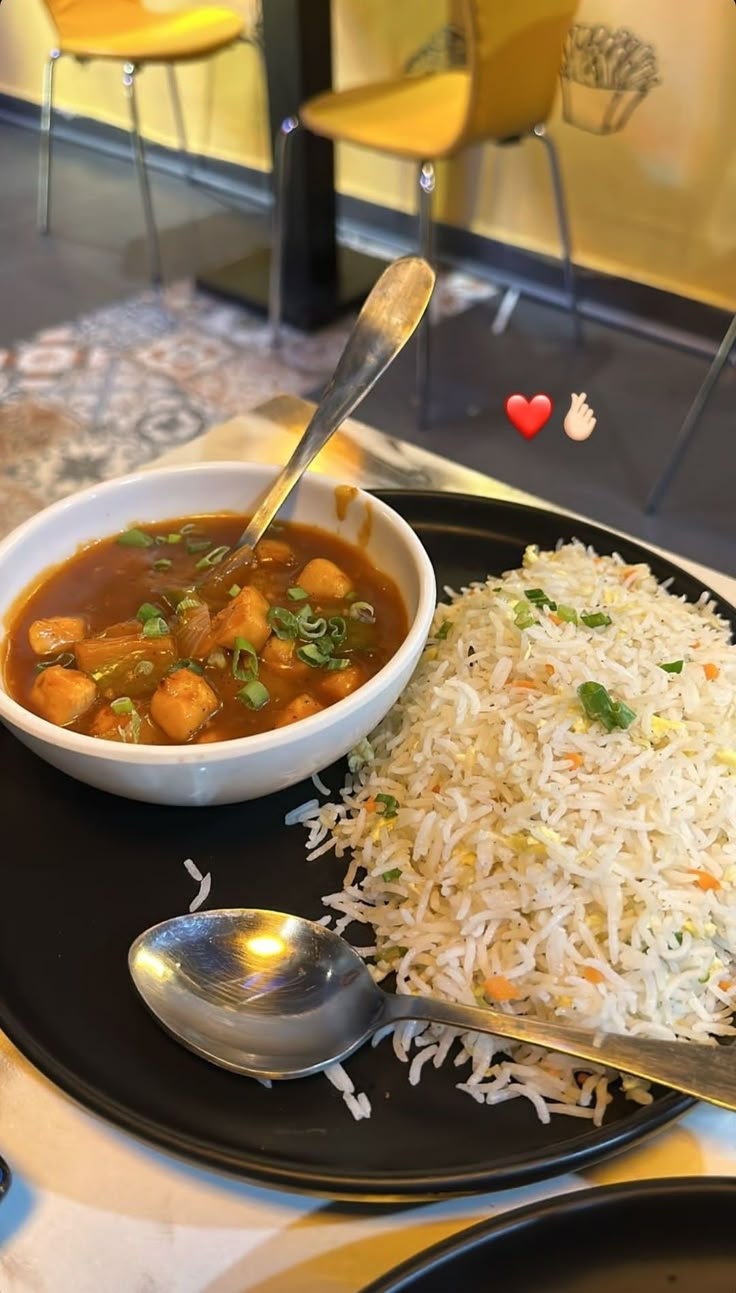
281	162
540	133
178	115
694	413
424	335
44	154
130	71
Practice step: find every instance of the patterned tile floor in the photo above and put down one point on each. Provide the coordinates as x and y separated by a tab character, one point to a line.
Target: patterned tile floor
114	388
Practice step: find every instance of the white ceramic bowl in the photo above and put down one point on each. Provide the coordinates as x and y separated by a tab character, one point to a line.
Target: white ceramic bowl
224	771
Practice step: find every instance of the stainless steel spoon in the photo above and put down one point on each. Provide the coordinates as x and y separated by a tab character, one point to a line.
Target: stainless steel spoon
274	996
387	320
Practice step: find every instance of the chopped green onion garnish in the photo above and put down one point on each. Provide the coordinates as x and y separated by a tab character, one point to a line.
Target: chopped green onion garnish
311	629
192	665
198	545
163	563
155	628
599	705
624	715
362	754
213	558
234	590
143	668
250	669
567	613
173	538
287	626
390	805
523	620
393	874
539	598
336	663
187	529
123	705
64	661
314	655
217	659
188	603
678	937
132	729
284	623
443	630
362	611
135	539
297	594
597	620
675	666
147	612
254	694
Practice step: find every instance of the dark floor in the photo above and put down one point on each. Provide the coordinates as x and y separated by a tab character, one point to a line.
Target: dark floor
639	390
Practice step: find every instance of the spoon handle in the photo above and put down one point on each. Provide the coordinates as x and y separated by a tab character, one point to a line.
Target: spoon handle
387	320
706	1072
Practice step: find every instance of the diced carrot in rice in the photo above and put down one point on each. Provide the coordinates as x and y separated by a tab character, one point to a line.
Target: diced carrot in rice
499	988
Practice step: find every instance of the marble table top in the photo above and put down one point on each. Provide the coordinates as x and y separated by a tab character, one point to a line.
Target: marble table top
92	1210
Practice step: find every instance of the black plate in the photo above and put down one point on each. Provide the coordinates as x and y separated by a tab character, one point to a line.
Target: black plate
84	873
646	1237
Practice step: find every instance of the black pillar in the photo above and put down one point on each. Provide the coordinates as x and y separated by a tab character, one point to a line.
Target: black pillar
320	279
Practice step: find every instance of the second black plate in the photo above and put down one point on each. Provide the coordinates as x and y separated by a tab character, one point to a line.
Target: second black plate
645	1237
84	873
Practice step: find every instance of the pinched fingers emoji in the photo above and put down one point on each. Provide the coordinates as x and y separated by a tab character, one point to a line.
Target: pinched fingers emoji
579	419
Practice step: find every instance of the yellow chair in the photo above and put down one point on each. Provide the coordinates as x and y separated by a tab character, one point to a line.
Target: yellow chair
125	31
504	93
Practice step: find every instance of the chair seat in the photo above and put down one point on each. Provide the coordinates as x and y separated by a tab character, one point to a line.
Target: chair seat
417	117
129	32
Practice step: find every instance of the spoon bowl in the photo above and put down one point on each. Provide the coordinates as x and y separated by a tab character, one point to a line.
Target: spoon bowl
259	992
274	996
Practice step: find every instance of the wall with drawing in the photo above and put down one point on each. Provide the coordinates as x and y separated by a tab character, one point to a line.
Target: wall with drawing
646	139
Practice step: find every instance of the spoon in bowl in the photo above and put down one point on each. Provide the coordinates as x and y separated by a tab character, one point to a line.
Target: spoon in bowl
274	996
389	316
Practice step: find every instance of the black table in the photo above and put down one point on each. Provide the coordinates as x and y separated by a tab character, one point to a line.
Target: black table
320	279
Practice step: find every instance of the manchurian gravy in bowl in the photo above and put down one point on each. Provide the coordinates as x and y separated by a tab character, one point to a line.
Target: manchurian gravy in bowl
127	664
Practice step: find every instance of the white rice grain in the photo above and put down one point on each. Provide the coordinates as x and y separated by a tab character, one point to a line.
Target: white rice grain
193	870
299	815
203	894
358	1103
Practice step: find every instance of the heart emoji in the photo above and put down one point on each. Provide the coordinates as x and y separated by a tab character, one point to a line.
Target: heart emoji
528	416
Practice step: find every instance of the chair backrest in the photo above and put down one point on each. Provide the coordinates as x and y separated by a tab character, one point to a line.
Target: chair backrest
514	56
